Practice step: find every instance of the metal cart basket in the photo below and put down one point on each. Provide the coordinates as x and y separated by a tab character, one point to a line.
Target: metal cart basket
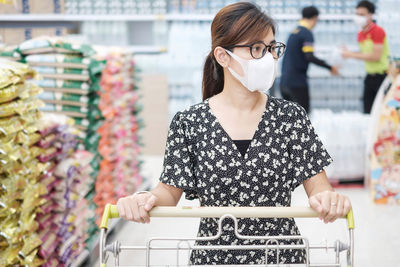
271	242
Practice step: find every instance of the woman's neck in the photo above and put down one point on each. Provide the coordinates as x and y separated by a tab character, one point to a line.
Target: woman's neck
240	98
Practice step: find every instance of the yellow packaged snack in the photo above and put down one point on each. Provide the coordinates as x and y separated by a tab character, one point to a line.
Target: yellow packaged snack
20	106
10	125
11	92
13	73
9	256
31	242
27	139
6	144
32	260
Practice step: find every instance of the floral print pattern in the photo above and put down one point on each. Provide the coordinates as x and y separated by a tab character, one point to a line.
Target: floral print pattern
201	159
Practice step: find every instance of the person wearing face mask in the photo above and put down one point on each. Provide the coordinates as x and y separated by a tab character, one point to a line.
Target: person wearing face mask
241	146
299	54
374	51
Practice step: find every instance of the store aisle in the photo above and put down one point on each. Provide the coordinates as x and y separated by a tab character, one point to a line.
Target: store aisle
377	237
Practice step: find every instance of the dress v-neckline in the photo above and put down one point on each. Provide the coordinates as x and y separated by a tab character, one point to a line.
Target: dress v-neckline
245	156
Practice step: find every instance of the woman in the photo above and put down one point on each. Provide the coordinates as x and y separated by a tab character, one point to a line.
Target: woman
241	147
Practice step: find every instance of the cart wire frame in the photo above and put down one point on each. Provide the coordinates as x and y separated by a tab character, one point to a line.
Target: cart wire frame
271	242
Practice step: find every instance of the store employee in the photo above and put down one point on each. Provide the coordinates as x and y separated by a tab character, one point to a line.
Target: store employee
374	51
299	53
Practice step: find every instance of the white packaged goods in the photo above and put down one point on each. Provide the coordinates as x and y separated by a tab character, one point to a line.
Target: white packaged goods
344	136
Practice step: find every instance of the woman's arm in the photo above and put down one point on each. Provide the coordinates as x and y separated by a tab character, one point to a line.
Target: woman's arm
324	200
137	206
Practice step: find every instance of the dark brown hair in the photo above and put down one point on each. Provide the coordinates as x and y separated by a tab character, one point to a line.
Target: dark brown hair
233	24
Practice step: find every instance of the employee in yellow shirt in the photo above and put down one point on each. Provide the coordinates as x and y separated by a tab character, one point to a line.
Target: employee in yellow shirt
374	51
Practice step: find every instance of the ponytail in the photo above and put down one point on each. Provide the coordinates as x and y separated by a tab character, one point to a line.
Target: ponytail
213	77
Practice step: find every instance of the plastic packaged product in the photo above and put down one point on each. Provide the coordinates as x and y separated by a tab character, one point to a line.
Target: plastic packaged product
9	53
48	154
21	91
14	73
60	70
47	141
63	74
11	92
64	108
30	244
27	139
65	61
49	245
19	107
53	45
65	98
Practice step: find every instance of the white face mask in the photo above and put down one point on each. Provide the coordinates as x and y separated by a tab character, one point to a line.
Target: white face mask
361	21
259	74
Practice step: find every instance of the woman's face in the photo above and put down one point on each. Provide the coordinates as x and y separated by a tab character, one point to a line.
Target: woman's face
244	52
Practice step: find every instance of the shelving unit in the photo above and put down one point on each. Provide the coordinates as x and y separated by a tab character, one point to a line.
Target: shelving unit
153	17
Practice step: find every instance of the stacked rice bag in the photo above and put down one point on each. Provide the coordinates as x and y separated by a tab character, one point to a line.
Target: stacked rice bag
70	78
118	144
20	170
9	53
65	220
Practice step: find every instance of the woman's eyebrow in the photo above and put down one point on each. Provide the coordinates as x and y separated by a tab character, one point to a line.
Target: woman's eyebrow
272	42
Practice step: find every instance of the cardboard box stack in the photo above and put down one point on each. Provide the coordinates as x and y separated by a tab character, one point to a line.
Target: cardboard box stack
18	34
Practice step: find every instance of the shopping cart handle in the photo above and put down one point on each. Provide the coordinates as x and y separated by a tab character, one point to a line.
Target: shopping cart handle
110	211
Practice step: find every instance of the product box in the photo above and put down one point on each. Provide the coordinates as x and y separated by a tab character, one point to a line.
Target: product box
15	36
154	97
33	7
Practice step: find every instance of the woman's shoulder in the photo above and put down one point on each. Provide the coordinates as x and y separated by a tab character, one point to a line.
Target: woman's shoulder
284	108
192	113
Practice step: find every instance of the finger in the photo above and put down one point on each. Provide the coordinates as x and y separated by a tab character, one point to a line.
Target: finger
121	209
150	203
144	216
326	205
333	207
346	206
339	208
128	208
316	205
135	211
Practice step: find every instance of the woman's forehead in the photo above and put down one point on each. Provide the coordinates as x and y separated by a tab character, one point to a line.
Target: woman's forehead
268	39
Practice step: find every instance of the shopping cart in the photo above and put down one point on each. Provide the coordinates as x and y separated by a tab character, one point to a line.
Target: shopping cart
271	242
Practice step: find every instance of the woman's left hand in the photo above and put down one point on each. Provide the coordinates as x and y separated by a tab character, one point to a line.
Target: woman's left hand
330	205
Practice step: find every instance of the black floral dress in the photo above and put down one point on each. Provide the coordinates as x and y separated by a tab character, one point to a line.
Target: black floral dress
202	159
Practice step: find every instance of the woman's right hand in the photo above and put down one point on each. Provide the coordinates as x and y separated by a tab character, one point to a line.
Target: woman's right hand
136	207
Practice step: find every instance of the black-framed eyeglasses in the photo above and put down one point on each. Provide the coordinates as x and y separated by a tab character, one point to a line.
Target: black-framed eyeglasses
259	49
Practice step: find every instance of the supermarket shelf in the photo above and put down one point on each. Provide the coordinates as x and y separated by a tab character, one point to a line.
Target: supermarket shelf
69	18
150	17
147	49
135	49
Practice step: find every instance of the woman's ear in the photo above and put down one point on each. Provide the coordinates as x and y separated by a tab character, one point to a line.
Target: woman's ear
221	56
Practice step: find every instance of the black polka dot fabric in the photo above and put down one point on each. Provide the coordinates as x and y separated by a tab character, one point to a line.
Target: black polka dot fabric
202	159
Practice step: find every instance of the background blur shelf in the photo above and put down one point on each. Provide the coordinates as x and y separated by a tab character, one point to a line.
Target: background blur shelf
150	17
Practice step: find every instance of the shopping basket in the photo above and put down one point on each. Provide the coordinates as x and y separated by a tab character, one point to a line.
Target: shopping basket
271	242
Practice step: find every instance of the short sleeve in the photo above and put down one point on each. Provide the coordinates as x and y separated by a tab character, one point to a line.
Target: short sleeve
178	164
378	36
308	43
307	153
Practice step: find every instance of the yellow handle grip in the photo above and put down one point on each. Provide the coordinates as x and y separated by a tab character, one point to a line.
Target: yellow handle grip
110	211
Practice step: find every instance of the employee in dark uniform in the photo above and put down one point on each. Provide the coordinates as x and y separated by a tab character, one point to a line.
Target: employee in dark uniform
374	51
299	53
